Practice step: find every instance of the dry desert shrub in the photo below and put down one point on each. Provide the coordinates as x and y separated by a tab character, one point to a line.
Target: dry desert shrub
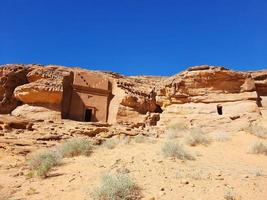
140	139
221	137
230	195
175	130
125	140
173	149
76	147
257	172
196	137
111	143
117	187
41	162
258	131
258	148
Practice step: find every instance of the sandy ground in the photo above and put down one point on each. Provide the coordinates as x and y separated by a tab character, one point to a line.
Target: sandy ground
218	168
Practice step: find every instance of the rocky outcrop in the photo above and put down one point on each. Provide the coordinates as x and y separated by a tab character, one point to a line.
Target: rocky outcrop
140	93
11	76
35	112
42	91
30	84
207	84
51	72
133	97
260	78
11	122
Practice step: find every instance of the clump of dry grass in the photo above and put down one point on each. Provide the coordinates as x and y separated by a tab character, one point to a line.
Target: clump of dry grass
258	148
196	137
126	140
221	137
140	139
175	130
76	147
111	143
117	187
258	131
231	195
41	162
173	149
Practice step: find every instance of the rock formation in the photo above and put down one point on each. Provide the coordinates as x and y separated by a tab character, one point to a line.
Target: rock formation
134	99
11	76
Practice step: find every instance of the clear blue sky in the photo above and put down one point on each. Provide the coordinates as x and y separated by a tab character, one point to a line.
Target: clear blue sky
152	37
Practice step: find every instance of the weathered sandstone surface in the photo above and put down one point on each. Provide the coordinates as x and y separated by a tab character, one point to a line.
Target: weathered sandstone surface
31	89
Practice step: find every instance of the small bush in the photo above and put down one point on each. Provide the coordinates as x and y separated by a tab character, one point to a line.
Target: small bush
221	137
76	147
258	148
177	126
140	139
257	172
258	131
116	187
42	161
126	140
111	143
171	134
175	130
230	195
196	137
173	149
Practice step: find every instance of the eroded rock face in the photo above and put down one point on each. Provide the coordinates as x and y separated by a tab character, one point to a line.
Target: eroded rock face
132	96
30	84
11	76
51	72
260	78
42	91
207	84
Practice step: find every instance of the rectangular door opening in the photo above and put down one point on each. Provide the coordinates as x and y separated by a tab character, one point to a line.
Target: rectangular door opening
88	115
219	109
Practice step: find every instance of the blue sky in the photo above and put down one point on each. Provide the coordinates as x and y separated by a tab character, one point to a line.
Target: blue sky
149	37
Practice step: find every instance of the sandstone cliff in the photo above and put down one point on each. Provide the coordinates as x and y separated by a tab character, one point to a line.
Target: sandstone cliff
134	98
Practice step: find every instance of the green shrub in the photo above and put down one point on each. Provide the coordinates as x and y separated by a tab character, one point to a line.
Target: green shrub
259	148
42	161
196	137
116	187
173	149
76	147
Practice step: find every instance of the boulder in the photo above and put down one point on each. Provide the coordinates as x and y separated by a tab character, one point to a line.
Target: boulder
11	122
35	112
42	91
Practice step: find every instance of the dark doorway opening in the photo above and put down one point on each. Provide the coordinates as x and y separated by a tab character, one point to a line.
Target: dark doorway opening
88	115
158	109
219	109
